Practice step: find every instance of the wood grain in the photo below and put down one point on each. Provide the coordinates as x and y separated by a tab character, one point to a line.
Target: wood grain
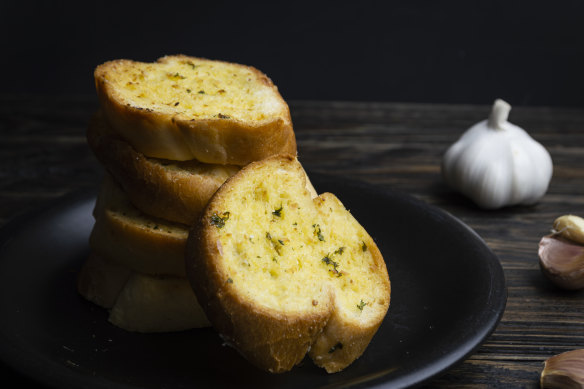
43	155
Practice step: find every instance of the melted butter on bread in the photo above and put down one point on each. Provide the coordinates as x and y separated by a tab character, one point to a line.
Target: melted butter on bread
182	108
196	87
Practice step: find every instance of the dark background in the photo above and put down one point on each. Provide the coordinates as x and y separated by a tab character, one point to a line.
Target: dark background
529	53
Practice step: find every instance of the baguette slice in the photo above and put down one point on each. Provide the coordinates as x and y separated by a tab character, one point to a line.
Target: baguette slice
101	281
279	273
171	190
157	304
140	302
127	237
181	108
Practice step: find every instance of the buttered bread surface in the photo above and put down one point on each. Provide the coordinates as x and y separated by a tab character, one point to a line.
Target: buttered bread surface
283	250
196	87
181	108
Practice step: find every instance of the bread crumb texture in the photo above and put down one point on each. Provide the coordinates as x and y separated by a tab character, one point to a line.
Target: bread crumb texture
195	87
285	251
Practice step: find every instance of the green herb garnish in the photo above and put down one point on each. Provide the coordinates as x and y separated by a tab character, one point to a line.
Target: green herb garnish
318	232
363	246
329	261
219	221
274	243
361	305
278	212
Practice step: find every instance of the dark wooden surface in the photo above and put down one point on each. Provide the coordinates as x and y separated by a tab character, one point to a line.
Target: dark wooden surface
43	155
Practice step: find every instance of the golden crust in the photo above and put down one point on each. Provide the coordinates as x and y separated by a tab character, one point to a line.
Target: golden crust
277	339
175	135
101	281
157	304
175	191
125	236
139	302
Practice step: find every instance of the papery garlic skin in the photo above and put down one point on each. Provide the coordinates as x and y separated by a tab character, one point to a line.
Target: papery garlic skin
570	227
564	371
562	262
496	163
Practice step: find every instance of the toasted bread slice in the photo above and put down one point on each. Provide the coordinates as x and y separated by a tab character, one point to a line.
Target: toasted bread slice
171	190
140	302
101	281
279	273
157	304
181	108
127	237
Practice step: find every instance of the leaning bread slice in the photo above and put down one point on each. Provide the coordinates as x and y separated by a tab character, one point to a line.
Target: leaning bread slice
125	236
171	190
279	273
182	108
157	304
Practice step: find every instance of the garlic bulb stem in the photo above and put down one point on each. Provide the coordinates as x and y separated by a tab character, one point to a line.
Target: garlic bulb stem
499	114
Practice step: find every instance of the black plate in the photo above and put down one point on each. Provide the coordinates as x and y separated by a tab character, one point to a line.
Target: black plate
448	294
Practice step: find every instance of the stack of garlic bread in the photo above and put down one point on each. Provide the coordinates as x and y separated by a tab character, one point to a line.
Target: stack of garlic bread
169	134
206	217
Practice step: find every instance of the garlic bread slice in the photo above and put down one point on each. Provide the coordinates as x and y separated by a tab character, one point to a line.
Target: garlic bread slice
182	108
281	274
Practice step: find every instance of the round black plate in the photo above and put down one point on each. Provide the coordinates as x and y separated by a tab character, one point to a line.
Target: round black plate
448	294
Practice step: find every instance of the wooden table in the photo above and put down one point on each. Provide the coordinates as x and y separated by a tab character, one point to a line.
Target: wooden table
43	155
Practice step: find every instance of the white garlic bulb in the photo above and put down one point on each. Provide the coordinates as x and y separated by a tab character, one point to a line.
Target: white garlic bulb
496	163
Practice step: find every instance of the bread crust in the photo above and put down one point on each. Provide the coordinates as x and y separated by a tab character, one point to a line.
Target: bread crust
101	281
144	247
139	302
175	191
275	340
181	137
157	304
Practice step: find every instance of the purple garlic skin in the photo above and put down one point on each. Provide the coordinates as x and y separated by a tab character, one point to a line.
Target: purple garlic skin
562	261
564	371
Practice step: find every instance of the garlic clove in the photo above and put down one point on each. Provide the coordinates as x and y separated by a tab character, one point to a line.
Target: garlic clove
570	227
564	371
562	262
